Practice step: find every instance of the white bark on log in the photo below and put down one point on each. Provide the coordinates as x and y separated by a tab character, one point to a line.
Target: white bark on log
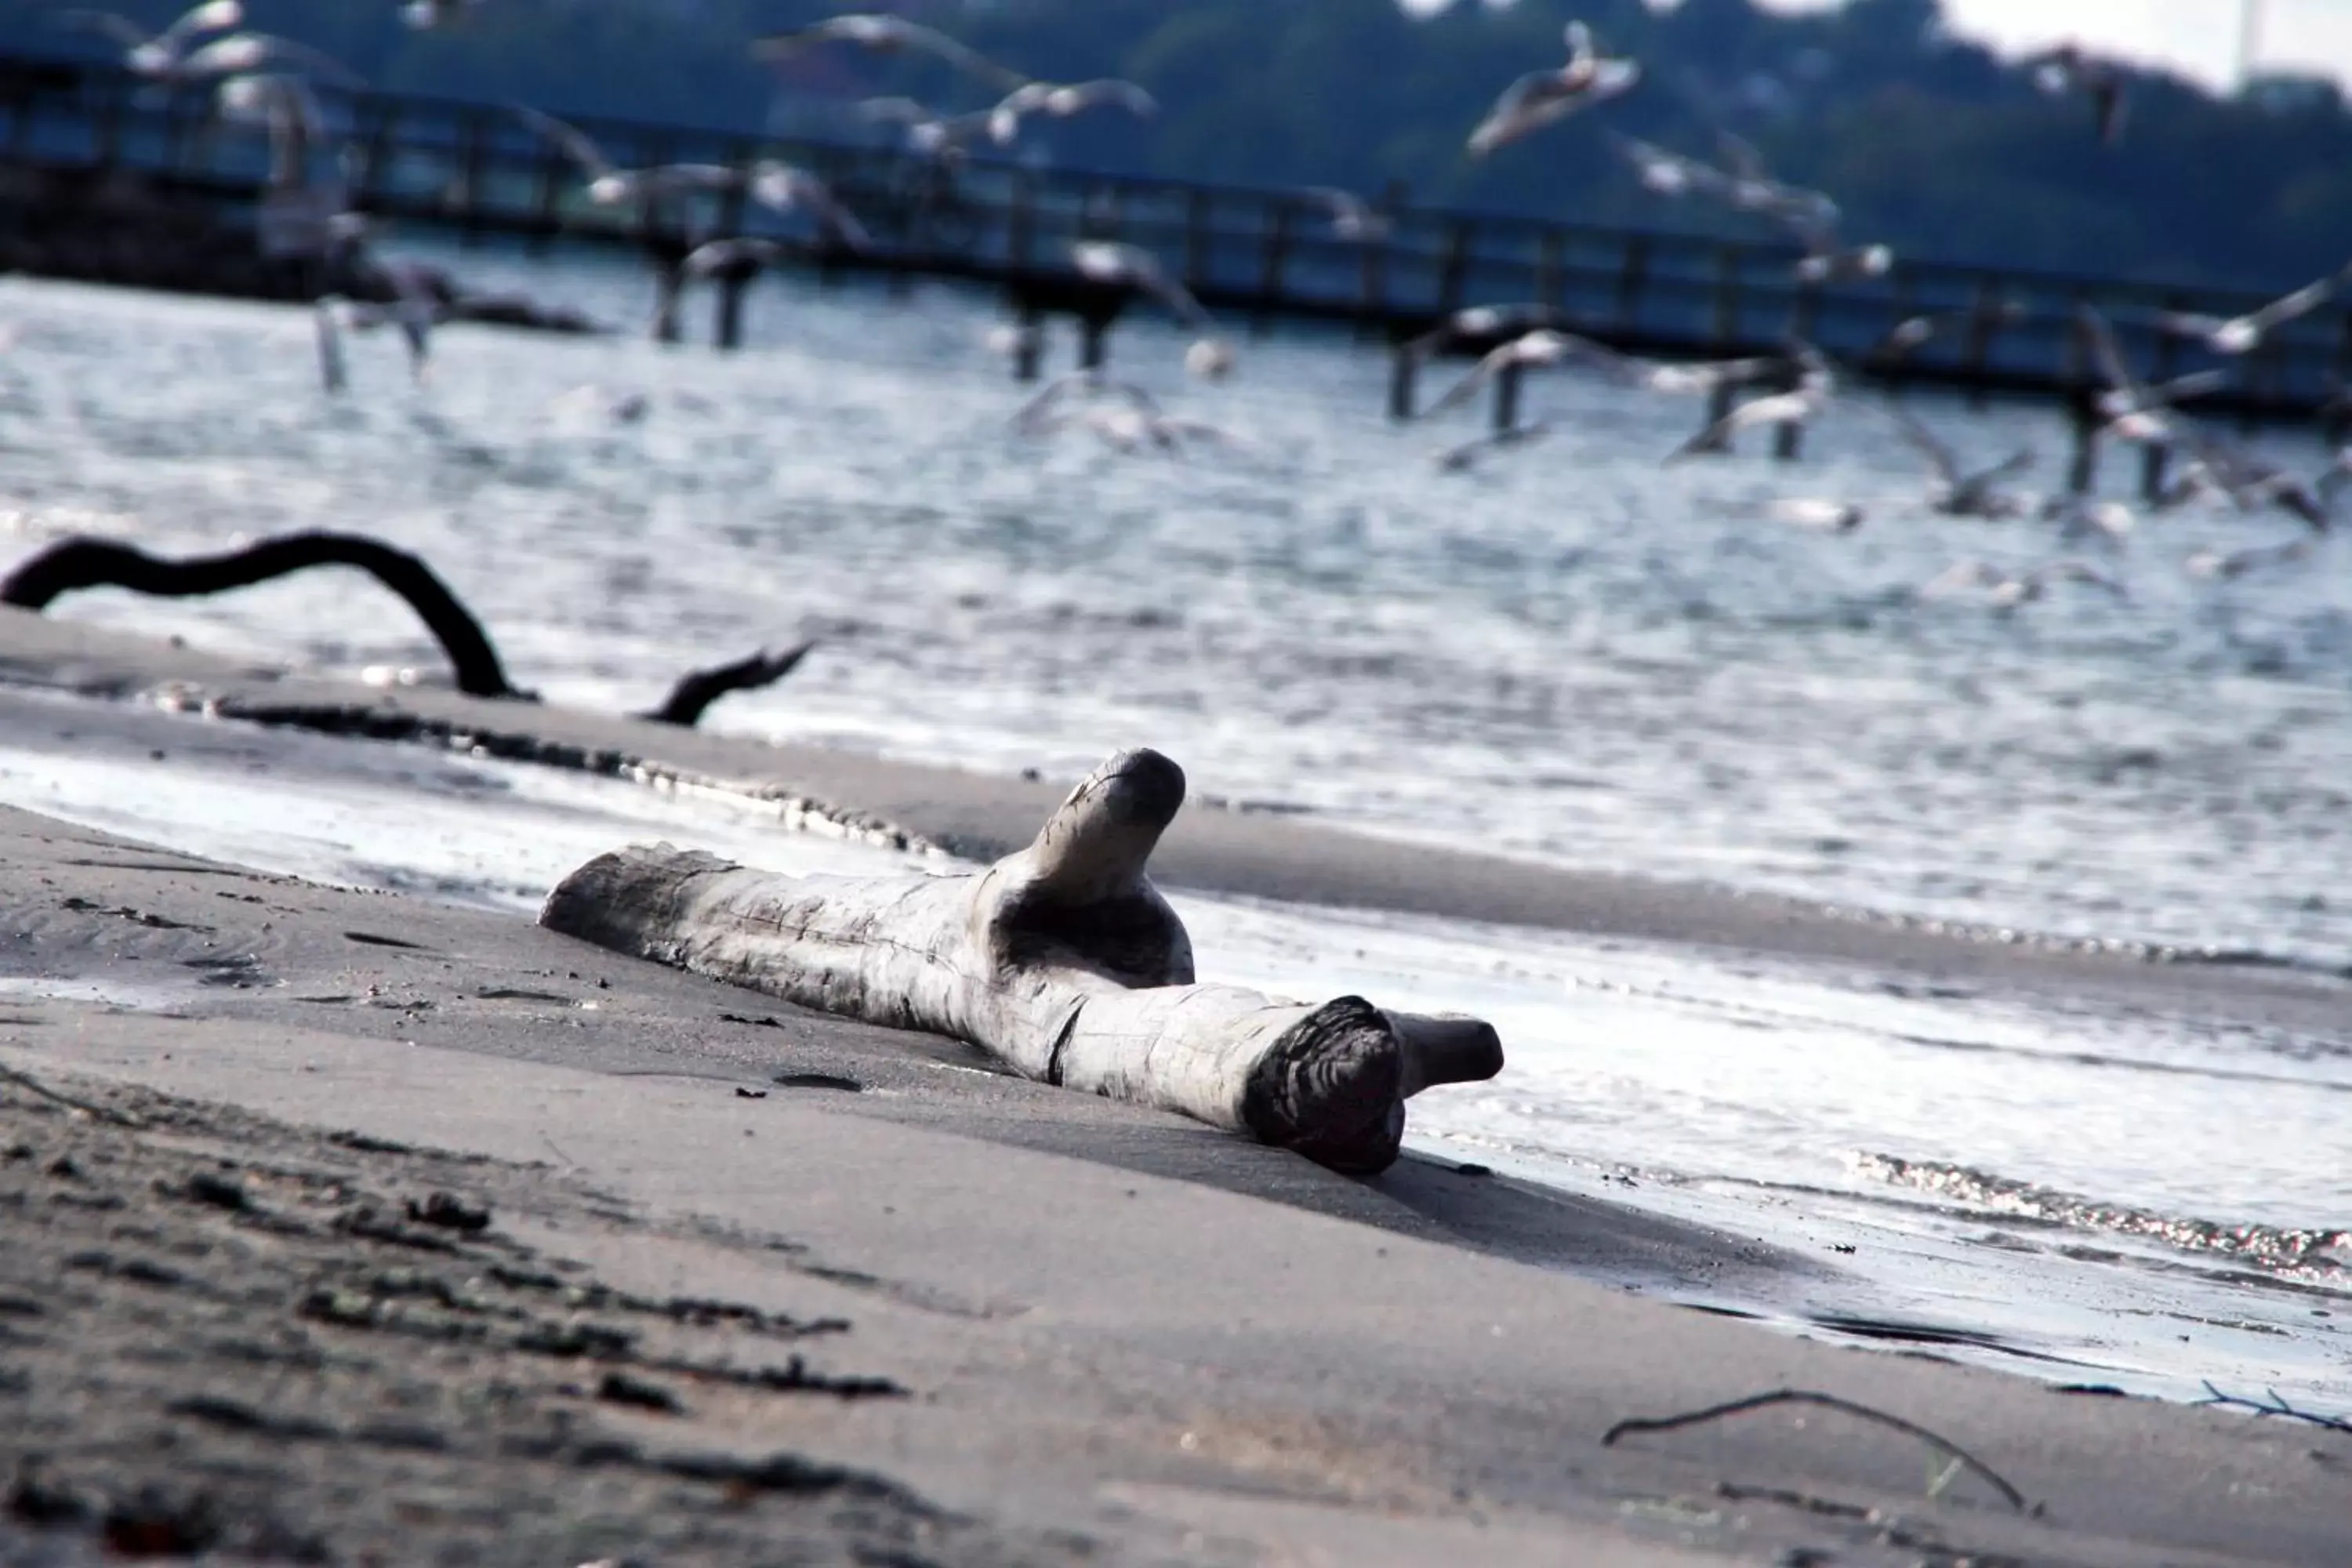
1062	959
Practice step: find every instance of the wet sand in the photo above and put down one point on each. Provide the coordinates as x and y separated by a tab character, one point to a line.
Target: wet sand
1118	1332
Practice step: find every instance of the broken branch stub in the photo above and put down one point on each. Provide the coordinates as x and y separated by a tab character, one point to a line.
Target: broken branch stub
1061	958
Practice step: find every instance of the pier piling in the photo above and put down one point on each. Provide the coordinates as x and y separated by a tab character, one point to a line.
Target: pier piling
1404	370
1506	397
2083	469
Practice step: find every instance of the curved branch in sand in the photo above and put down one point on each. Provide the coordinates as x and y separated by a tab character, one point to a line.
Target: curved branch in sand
1061	960
73	564
698	690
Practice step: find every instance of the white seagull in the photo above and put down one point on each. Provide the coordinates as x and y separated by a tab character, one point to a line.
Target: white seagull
286	107
1060	101
1815	383
1749	187
157	55
780	187
2223	565
928	132
1110	262
1080	385
2083	517
700	264
1481	321
1129	428
1461	459
1692	380
885	35
609	185
2234	335
1352	217
1543	349
1665	172
1819	514
1958	493
240	53
1540	98
2132	410
2004	590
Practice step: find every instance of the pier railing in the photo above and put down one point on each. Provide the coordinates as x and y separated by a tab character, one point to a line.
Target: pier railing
1252	255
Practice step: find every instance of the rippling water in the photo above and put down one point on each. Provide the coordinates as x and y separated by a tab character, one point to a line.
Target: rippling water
1572	655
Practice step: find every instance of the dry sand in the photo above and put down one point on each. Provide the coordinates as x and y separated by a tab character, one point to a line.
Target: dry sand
1121	1336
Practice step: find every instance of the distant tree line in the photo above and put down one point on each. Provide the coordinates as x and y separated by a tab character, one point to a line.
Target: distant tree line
1931	144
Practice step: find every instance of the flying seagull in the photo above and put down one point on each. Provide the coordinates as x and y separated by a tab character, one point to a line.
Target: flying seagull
1820	515
2225	565
2007	590
1815	382
2132	410
1908	334
1352	217
157	54
1110	262
1487	322
1466	456
1081	386
240	54
1692	380
2083	517
1958	493
783	188
609	185
1543	349
703	261
1060	101
285	106
1131	428
885	35
1665	172
1540	98
2237	334
929	132
1749	187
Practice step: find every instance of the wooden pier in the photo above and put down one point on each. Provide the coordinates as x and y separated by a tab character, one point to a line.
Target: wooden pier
1252	256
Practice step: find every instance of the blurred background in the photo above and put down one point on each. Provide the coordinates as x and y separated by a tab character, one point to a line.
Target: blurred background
2234	172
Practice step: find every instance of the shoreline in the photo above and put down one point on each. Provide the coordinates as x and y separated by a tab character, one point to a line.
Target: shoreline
1224	851
1115	1325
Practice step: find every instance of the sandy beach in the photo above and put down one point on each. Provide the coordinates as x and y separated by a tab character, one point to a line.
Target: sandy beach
353	1226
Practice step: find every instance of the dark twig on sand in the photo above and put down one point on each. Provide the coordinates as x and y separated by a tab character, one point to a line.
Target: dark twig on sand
2273	1405
77	563
103	1113
702	688
1944	1445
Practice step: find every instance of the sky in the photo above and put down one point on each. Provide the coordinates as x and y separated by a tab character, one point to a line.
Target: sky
2195	37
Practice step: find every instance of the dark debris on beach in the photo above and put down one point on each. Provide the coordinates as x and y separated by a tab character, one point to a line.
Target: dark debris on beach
220	1334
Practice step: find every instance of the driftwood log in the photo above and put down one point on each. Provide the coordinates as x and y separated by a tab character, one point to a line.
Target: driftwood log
1061	958
73	564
